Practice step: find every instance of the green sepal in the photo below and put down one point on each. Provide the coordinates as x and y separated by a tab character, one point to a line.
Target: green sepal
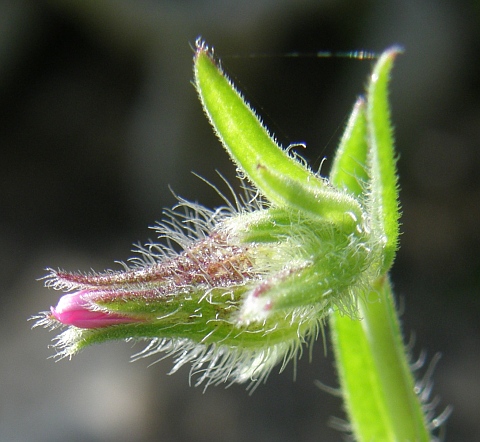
322	266
262	226
171	308
210	321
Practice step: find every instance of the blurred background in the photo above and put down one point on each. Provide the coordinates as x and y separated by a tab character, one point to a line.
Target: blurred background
98	118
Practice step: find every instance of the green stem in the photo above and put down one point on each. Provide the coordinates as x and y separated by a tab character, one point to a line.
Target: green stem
376	381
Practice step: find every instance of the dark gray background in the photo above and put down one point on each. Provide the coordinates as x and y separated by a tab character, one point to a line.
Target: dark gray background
97	118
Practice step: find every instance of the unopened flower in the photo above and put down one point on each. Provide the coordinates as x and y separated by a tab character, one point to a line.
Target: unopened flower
255	280
78	309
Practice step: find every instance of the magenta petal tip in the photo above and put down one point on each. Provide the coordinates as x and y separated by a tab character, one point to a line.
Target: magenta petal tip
72	309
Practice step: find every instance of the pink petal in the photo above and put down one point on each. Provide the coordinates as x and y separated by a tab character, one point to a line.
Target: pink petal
72	309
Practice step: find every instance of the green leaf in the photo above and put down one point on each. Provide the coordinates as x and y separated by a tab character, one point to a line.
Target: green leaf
325	202
281	178
349	169
383	194
377	385
239	129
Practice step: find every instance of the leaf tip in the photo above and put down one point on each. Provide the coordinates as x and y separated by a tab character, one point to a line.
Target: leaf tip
203	50
201	46
394	50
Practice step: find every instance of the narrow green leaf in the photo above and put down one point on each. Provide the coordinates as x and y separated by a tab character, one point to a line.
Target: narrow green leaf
325	202
383	195
349	169
252	148
239	129
373	369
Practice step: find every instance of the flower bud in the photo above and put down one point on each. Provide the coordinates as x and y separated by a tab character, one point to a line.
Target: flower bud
251	284
75	309
237	300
